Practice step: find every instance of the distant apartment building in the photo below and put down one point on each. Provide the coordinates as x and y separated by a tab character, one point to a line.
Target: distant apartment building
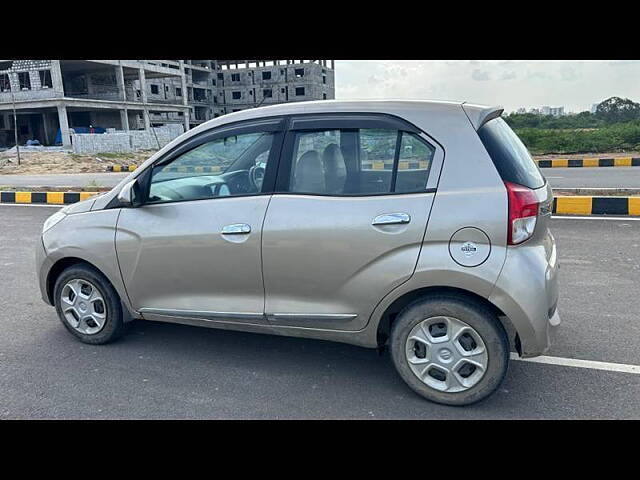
545	110
556	111
51	97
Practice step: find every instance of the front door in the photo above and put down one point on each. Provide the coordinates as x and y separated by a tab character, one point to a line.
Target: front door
347	222
193	249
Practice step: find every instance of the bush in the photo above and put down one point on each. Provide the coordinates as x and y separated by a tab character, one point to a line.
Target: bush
616	137
529	120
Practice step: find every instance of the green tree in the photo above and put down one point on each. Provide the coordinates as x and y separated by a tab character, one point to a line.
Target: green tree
616	109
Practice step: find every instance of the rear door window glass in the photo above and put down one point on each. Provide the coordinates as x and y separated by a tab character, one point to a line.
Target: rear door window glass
359	162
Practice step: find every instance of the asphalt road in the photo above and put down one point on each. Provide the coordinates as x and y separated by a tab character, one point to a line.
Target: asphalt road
621	177
106	179
173	371
612	177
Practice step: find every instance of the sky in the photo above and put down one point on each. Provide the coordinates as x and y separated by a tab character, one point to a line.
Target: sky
512	84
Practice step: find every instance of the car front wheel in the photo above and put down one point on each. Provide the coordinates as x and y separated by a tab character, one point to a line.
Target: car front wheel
88	306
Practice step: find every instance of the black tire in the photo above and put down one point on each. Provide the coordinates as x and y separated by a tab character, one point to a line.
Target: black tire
476	315
114	325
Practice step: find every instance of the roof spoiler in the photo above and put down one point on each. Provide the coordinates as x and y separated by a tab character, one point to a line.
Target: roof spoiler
478	115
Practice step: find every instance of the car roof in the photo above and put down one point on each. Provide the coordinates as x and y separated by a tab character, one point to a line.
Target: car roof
321	106
476	113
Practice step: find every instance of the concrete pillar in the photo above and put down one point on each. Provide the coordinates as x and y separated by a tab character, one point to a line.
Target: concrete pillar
64	126
333	66
124	119
185	94
120	81
143	85
147	119
186	120
143	96
183	84
14	82
56	78
45	129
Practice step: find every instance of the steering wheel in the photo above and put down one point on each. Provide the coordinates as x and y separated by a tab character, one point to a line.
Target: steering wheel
256	175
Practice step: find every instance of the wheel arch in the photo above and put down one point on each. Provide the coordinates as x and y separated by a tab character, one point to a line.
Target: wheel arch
60	266
392	311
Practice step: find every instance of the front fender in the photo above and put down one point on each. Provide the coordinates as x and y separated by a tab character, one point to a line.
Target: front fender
89	237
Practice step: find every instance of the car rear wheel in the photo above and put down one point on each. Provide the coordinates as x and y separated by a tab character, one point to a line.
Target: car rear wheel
88	306
450	349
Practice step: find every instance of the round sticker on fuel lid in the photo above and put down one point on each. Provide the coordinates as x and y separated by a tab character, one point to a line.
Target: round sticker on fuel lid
469	247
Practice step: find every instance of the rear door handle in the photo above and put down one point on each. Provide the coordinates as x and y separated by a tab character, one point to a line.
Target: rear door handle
236	229
391	219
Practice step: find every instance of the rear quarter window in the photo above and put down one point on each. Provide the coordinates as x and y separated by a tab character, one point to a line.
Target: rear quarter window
511	158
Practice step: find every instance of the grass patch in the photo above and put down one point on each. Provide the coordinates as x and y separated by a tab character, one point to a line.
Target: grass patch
113	155
618	137
93	185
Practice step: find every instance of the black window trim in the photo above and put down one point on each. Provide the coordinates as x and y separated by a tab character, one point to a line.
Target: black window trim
267	124
345	121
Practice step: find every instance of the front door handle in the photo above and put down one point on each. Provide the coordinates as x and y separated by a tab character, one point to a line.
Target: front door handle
236	229
391	219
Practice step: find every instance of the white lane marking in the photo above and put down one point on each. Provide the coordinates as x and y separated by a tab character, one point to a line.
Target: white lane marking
574	362
554	177
587	188
30	205
575	217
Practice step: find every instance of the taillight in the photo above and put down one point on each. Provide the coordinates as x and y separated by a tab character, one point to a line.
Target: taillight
523	213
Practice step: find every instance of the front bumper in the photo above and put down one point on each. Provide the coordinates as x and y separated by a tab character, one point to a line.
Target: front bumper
43	266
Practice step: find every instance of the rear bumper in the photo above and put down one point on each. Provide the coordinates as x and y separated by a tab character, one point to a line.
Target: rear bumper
526	292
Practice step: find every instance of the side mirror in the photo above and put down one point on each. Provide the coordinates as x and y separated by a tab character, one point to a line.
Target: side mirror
129	195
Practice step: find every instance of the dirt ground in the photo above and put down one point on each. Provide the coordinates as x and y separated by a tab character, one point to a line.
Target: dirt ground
64	162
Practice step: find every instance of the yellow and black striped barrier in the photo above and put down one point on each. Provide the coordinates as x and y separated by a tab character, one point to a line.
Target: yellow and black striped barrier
180	169
589	162
562	205
49	198
121	168
583	205
388	165
403	165
192	169
374	165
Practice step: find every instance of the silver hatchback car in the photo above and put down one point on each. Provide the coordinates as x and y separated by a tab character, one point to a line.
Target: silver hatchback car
421	226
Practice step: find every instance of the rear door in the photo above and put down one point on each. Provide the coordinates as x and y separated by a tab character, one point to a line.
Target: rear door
346	223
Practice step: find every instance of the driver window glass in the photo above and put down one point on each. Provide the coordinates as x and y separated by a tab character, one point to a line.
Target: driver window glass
234	165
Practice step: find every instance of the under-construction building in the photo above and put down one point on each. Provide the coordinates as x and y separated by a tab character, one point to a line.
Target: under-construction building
52	99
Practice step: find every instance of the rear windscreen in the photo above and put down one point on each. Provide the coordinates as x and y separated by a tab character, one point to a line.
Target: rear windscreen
510	156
